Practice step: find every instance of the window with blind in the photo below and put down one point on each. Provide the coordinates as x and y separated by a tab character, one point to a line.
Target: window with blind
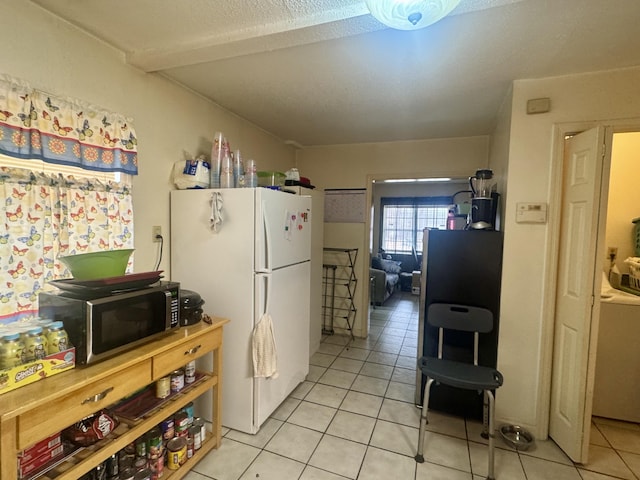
404	219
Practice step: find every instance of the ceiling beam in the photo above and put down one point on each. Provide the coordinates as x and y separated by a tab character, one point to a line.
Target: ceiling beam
326	25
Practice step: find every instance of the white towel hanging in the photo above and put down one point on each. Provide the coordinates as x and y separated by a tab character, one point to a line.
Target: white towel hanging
265	359
216	217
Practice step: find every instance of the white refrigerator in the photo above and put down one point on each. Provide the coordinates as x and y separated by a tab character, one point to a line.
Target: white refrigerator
246	251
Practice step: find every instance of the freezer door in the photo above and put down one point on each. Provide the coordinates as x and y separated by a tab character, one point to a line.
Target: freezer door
284	294
283	229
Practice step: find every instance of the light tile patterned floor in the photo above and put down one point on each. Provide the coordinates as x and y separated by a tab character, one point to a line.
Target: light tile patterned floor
354	418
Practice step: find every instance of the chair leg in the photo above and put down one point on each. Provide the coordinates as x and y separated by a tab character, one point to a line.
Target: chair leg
485	416
489	395
423	421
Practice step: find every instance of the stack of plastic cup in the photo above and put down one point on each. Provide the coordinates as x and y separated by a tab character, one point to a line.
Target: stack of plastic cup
217	155
250	174
238	170
226	172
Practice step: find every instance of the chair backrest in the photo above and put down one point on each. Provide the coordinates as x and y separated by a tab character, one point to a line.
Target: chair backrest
460	317
449	316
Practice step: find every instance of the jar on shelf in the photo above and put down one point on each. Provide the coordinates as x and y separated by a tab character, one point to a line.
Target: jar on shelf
11	351
57	338
35	344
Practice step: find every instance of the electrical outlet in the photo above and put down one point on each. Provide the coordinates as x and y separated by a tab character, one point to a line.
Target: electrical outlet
156	232
612	253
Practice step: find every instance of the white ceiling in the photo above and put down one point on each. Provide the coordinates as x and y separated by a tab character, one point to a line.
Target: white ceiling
326	72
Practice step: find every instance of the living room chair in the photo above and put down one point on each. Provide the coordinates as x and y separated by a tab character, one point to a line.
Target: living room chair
468	376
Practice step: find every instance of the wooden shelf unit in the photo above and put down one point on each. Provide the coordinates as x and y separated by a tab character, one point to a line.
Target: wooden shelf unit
41	409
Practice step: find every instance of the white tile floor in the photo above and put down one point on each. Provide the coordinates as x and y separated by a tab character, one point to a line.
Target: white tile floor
354	418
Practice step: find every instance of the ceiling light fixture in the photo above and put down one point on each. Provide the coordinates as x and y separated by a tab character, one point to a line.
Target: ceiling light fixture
410	14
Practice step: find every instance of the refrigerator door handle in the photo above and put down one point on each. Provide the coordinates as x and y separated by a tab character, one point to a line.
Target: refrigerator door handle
265	255
263	297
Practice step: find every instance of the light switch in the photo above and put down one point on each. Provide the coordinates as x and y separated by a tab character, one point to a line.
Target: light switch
531	213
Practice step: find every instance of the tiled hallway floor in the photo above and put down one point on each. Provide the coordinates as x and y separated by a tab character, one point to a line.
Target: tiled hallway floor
354	418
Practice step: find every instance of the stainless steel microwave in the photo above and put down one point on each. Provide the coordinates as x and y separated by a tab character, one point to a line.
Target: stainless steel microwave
101	325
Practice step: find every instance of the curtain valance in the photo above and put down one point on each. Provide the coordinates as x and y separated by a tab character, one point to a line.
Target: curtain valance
38	125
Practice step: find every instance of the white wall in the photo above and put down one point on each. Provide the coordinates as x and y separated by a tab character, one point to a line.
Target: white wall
349	166
499	154
524	351
55	57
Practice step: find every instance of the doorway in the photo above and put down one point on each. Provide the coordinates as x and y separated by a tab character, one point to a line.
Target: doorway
398	189
576	341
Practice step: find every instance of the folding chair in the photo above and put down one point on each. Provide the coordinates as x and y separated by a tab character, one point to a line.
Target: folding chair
468	376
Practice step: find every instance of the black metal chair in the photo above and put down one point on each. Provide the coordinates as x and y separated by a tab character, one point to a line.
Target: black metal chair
468	376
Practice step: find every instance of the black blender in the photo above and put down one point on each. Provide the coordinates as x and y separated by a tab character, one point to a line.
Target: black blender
483	201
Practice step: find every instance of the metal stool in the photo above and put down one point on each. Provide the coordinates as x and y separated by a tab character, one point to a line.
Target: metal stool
469	376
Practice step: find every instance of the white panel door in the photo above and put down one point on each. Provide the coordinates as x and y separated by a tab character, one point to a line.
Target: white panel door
570	405
284	294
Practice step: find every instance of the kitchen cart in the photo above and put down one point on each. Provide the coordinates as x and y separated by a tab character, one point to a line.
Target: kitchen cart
42	409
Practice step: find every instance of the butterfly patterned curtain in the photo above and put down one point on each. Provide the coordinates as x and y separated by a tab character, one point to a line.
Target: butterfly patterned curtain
37	125
43	217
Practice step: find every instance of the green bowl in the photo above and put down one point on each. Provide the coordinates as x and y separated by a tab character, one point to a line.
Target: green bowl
104	264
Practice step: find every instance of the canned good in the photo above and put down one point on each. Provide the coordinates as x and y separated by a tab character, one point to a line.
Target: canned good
163	387
177	381
167	427
35	344
189	410
141	447
156	466
57	337
198	422
189	447
181	422
154	443
176	453
190	372
11	351
194	432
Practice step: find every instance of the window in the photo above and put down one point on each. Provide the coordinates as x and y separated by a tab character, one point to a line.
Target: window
404	219
47	215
